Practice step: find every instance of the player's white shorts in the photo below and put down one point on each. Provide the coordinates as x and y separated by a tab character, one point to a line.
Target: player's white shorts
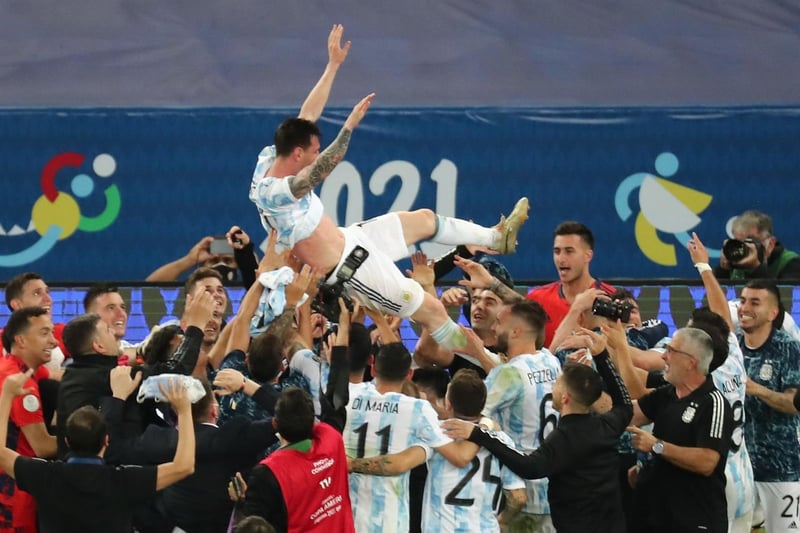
778	506
378	283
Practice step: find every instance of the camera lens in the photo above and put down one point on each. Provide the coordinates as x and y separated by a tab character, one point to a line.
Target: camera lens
612	310
735	250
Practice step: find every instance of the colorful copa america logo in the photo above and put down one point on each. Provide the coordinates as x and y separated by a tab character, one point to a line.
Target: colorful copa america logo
56	215
665	208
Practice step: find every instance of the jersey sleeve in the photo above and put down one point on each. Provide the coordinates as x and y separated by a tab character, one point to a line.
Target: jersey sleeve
502	384
303	362
510	480
427	429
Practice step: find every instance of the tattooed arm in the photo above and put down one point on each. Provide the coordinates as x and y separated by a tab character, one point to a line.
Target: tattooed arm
282	326
480	278
388	465
312	175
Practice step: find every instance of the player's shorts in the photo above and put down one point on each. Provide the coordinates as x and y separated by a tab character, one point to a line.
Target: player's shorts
378	283
778	506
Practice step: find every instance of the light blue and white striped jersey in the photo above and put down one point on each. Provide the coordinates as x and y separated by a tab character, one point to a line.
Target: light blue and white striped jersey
466	499
316	370
295	219
731	378
379	424
520	398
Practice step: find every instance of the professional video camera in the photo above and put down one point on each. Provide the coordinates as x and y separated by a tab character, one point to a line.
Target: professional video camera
612	310
736	251
327	300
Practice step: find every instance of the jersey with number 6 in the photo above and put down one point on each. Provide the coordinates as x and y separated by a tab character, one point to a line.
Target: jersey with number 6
731	379
379	424
466	499
520	398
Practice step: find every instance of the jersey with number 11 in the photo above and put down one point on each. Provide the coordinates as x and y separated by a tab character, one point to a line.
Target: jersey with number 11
520	398
378	424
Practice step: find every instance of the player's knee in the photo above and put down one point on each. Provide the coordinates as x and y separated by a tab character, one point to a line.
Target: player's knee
431	313
426	219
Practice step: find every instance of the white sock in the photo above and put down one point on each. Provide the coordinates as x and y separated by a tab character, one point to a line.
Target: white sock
450	336
454	231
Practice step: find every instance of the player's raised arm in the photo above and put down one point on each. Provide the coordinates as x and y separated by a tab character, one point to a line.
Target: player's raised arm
315	101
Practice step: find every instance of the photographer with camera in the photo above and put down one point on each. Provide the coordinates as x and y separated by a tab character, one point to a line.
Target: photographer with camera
754	252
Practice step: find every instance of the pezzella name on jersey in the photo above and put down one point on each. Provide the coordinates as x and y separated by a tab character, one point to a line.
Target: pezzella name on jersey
542	376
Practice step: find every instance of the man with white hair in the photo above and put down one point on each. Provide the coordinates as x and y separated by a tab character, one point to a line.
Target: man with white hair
683	487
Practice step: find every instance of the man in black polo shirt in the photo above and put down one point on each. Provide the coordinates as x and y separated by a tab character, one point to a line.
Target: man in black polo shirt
683	487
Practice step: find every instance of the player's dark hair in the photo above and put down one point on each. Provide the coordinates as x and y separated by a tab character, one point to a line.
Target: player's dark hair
534	315
294	414
265	357
79	333
95	291
467	393
15	286
393	362
86	432
294	132
19	322
570	227
582	382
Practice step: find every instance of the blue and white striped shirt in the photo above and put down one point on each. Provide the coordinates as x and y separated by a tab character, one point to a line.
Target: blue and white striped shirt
520	398
379	424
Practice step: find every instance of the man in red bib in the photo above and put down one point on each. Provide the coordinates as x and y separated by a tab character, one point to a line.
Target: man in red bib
303	486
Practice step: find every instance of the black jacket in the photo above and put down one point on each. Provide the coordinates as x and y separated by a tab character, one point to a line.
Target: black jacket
581	461
200	502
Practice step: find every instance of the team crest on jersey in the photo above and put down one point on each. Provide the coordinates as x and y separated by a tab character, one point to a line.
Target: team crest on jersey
765	374
406	296
688	413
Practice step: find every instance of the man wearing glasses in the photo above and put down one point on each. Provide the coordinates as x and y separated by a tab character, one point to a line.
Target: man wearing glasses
682	487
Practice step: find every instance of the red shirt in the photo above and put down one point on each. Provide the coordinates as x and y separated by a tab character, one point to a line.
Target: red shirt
551	297
314	484
17	507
